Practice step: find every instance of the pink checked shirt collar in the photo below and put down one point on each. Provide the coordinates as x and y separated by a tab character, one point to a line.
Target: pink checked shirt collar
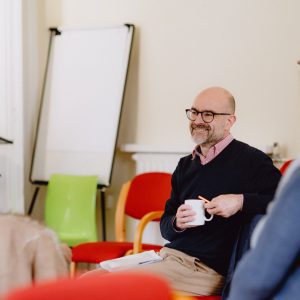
214	151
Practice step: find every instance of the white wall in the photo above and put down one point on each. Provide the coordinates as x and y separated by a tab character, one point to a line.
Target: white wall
35	33
249	47
181	47
11	106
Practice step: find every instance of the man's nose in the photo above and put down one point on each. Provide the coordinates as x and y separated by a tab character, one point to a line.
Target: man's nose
199	119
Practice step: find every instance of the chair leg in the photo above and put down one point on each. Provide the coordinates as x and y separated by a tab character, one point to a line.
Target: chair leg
72	269
129	252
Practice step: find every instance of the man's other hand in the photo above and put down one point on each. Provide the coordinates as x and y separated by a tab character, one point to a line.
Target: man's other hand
225	205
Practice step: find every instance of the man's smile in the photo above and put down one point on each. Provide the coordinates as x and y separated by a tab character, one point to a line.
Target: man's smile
200	128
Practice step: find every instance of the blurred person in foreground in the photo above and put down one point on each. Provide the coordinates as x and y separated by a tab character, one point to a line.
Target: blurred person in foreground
271	269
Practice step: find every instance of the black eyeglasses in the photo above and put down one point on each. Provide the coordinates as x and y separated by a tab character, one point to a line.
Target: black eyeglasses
207	116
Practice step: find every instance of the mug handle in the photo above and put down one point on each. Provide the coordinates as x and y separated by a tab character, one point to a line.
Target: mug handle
209	219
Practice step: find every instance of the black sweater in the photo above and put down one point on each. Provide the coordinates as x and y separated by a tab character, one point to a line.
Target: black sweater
238	169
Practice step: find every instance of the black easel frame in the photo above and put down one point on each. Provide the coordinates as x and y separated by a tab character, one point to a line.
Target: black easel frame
54	32
5	141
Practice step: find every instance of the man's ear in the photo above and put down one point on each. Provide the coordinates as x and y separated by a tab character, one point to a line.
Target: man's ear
231	120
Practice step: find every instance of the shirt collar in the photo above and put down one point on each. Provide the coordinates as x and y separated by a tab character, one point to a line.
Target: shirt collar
213	151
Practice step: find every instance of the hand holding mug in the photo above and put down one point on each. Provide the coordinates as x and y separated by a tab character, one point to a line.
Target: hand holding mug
199	216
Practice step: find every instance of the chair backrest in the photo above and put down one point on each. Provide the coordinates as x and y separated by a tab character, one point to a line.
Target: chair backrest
145	193
113	286
70	208
148	192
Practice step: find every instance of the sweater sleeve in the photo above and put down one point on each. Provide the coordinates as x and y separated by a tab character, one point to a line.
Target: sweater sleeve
263	179
265	269
167	228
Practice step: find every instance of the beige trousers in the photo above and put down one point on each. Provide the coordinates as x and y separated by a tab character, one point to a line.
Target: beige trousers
186	273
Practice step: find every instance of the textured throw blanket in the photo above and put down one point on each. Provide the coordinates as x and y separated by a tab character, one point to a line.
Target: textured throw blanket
29	252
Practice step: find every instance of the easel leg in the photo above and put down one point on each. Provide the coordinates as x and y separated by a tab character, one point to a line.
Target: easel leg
103	213
33	200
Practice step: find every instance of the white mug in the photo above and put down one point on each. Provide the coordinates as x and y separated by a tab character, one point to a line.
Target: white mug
198	207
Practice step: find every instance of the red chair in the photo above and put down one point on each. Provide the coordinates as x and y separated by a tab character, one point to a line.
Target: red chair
142	198
285	165
120	285
127	285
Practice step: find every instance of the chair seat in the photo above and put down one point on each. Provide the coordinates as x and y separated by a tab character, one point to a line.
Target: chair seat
147	247
100	251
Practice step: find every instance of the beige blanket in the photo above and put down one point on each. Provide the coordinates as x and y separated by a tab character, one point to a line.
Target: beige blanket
29	252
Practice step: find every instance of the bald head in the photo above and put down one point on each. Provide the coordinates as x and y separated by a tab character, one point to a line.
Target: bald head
220	106
216	99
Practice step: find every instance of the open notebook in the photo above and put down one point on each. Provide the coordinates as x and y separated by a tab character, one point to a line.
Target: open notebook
130	261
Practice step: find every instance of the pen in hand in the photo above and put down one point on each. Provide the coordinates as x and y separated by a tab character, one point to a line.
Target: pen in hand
147	261
204	199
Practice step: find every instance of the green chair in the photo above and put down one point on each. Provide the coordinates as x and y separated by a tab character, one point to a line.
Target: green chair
70	208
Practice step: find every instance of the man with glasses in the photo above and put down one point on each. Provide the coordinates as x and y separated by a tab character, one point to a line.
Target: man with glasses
237	179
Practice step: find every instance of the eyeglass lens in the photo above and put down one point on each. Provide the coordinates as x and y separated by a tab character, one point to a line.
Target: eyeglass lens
206	116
